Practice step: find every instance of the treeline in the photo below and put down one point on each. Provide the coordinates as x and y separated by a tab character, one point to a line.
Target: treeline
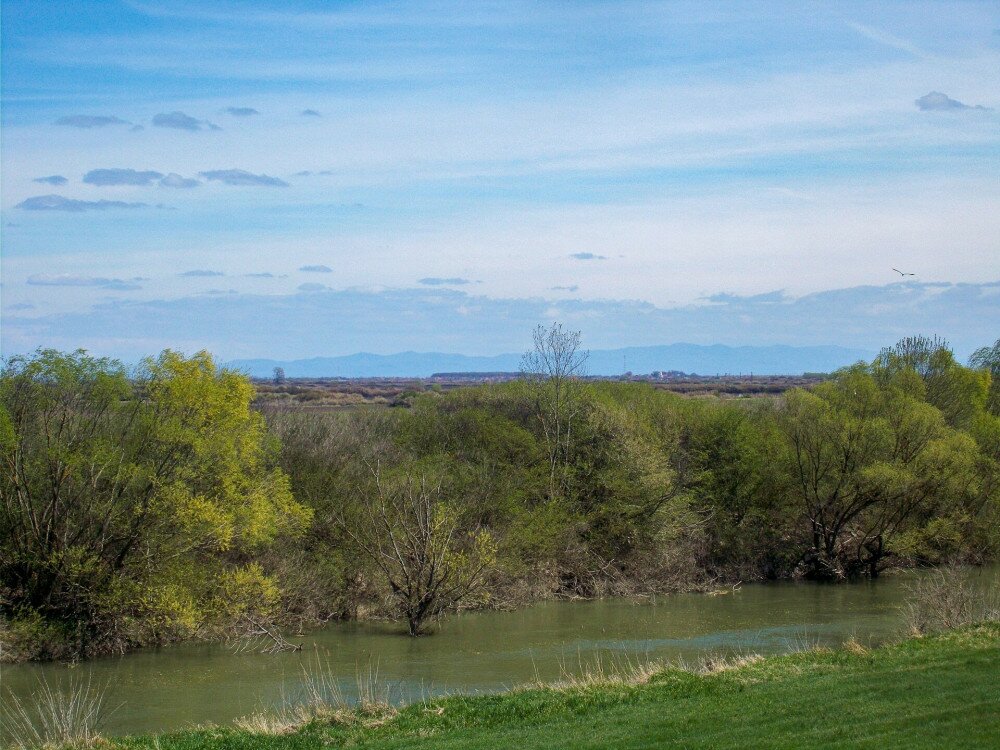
145	507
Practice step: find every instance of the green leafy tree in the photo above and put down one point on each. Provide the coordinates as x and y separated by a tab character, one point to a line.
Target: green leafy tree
866	462
959	392
987	359
735	455
129	502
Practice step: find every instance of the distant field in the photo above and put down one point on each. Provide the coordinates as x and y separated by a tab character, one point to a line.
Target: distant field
935	692
347	393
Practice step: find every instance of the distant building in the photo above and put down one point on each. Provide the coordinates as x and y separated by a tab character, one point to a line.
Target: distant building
668	374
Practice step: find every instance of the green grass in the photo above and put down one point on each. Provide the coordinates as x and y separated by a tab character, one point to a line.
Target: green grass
938	692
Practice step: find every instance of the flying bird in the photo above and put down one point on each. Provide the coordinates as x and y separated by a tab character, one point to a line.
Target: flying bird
903	274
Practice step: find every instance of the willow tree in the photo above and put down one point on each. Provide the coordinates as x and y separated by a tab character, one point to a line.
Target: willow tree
987	359
867	461
130	501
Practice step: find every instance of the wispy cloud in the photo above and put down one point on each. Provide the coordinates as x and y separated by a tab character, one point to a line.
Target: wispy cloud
174	180
52	179
181	121
935	101
90	121
588	256
242	177
66	279
61	203
438	281
241	111
201	272
310	113
316	269
571	288
313	287
116	176
889	40
262	275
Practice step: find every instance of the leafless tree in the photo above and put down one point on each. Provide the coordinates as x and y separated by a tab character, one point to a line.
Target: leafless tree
555	365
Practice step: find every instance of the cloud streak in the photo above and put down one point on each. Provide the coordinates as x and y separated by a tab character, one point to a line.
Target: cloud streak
104	177
935	101
241	111
438	281
87	122
182	121
66	279
240	177
52	179
176	181
72	205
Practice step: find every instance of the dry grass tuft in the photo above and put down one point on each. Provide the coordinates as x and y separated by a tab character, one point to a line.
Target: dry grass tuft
60	715
321	698
853	646
716	664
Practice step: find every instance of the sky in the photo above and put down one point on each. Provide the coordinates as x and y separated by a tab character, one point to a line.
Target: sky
294	179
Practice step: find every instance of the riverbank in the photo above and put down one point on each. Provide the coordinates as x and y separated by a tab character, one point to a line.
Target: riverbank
936	691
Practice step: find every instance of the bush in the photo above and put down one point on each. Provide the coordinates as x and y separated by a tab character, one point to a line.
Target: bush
949	598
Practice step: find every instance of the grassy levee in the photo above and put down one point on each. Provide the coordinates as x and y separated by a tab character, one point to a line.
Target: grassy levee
941	691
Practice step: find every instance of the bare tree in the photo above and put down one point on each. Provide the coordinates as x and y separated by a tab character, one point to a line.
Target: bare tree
554	365
416	541
279	375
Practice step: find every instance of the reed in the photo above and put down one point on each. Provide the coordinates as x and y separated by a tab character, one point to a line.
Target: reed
320	697
57	715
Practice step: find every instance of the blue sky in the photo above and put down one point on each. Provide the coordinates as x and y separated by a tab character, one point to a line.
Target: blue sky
647	172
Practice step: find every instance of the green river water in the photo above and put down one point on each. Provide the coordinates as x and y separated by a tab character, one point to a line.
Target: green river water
180	686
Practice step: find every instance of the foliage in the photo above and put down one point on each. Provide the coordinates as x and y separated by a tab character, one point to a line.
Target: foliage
414	536
141	507
867	459
987	359
128	500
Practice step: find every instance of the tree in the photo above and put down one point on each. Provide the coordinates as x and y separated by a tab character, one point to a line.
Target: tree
415	539
960	393
736	478
987	358
279	376
128	501
866	461
554	366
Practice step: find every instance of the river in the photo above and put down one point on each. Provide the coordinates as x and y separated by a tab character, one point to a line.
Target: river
180	686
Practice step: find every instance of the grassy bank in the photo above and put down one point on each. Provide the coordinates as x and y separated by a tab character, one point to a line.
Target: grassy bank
938	691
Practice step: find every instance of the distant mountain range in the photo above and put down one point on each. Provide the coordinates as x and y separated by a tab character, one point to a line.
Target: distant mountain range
689	358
